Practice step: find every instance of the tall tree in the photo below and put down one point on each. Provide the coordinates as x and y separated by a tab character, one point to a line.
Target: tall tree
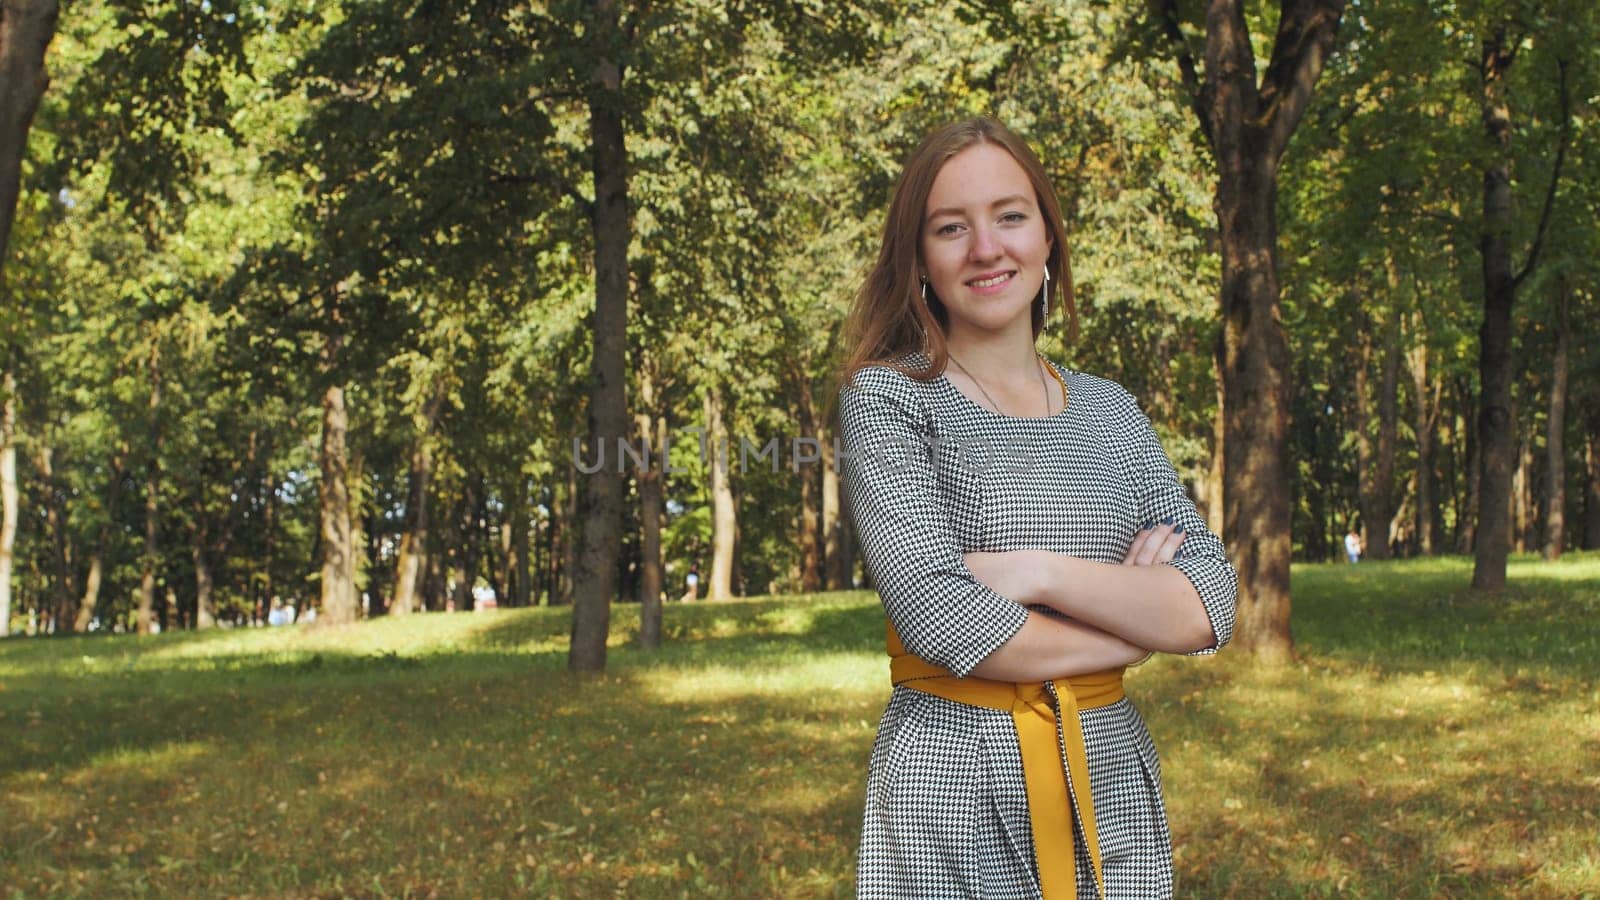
595	581
1248	126
1496	426
1555	491
8	494
26	27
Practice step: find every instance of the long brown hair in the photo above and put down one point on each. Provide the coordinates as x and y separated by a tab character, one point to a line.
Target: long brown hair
888	318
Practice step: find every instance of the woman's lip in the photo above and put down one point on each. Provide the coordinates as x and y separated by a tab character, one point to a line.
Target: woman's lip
976	288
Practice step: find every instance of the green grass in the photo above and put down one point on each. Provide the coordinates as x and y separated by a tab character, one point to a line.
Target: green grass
1430	743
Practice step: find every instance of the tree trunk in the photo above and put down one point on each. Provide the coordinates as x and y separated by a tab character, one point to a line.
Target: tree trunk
1256	494
724	518
97	558
1361	424
152	499
1402	525
571	534
651	427
1249	126
434	588
521	543
543	531
205	616
339	602
810	544
470	534
204	550
498	565
1426	399
414	540
8	495
595	580
1320	496
65	588
1495	437
1467	504
835	524
1388	436
651	574
1591	471
26	27
1555	486
1214	477
269	518
172	614
736	580
1375	459
1524	516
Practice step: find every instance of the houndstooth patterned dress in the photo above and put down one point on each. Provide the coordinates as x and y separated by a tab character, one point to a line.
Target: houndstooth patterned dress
946	804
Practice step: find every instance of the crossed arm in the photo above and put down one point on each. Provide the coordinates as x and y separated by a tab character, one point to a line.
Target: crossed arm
1119	612
968	612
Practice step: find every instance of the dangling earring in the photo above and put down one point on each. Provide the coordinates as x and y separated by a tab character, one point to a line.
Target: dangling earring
1046	298
924	290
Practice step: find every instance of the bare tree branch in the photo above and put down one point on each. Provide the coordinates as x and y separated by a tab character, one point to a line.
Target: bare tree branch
26	27
1192	84
561	184
1562	142
1306	30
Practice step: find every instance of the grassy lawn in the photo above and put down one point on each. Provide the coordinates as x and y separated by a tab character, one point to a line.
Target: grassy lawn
1431	743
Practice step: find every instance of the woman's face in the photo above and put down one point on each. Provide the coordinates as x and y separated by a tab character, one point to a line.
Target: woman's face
984	240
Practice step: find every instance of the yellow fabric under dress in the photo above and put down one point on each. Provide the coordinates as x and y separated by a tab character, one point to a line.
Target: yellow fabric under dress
1055	764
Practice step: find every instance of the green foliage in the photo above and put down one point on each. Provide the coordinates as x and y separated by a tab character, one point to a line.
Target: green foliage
250	204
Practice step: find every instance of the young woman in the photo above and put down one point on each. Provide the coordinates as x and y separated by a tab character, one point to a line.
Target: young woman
1029	539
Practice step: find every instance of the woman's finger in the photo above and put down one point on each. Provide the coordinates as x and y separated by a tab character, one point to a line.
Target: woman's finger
1158	537
1140	538
1168	550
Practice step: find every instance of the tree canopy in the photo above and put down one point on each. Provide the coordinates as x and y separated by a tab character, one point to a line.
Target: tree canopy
320	303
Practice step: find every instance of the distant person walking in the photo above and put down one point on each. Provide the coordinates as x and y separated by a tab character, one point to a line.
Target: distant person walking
1352	546
692	582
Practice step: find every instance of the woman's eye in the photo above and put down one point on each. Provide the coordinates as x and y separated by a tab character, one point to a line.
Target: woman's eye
1013	217
948	228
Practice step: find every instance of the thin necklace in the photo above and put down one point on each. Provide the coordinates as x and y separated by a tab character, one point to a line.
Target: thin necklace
1053	372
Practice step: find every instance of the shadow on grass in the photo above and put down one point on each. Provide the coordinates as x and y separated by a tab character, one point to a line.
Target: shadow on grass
720	631
521	639
1290	781
142	694
469	754
592	769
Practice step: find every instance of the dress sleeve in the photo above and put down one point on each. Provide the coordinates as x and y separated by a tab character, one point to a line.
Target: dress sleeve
942	613
1162	497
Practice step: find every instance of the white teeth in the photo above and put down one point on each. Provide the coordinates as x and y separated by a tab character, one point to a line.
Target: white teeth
990	282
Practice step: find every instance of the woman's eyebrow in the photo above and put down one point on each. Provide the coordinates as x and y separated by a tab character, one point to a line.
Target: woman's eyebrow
956	210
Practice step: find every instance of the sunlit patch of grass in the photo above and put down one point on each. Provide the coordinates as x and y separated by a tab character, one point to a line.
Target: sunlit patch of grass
1430	742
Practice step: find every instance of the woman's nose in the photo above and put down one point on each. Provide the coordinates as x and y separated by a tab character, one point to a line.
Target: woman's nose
984	244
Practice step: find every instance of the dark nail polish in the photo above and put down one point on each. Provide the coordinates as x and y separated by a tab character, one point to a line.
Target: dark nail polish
1180	528
1167	521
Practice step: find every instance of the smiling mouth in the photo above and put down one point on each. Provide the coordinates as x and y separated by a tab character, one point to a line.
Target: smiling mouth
992	280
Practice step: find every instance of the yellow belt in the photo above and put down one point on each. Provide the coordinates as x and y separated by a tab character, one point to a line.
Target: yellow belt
1052	796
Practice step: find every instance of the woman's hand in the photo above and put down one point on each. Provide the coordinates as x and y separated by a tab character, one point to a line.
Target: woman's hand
1154	545
1023	575
1016	575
